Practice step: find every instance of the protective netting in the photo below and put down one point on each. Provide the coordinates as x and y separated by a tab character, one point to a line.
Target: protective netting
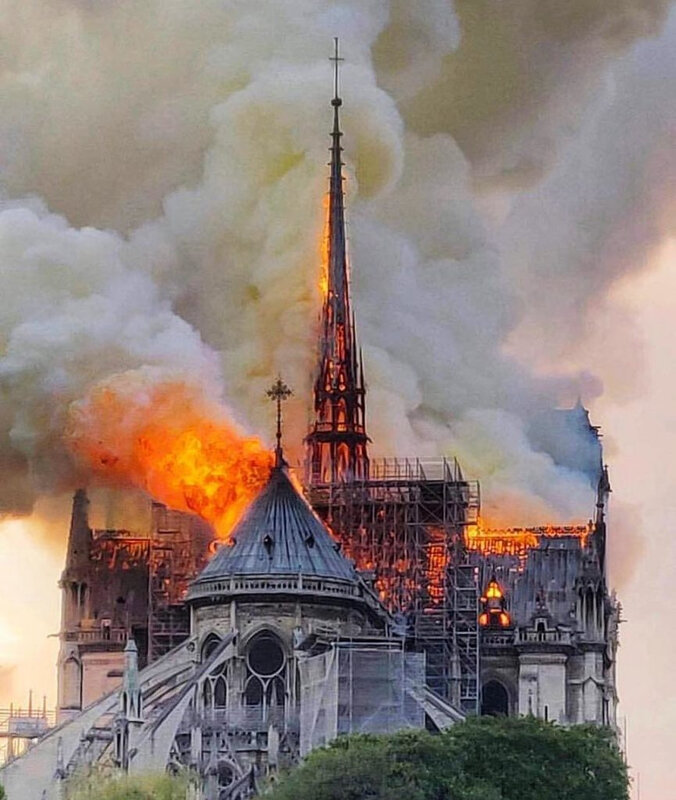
359	687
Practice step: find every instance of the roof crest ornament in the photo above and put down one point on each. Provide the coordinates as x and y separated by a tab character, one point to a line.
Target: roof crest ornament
279	392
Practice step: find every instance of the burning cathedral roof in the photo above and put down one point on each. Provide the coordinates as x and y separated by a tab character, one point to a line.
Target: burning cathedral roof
279	535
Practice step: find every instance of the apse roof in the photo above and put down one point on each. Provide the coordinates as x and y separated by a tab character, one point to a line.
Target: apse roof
279	534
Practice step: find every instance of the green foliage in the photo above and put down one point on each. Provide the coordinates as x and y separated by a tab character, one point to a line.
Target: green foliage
133	787
3	796
481	759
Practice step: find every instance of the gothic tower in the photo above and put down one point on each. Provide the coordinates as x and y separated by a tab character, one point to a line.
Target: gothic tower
75	586
337	442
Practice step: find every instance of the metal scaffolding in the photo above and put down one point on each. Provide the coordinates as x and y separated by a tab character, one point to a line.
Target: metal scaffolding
19	728
359	686
179	549
404	524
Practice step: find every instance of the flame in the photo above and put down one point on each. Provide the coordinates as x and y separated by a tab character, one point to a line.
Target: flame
324	252
437	565
518	541
168	440
494	614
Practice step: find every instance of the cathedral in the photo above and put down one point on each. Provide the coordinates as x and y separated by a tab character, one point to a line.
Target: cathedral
363	596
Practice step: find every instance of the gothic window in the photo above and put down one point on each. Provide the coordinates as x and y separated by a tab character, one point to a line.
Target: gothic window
253	694
494	700
266	674
274	693
220	693
215	687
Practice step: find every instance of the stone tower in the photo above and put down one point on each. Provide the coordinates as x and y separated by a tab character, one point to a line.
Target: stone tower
104	600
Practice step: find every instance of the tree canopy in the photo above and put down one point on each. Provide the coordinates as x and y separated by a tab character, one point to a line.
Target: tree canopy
481	759
98	786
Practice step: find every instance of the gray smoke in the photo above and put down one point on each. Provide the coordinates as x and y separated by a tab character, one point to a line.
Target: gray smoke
192	138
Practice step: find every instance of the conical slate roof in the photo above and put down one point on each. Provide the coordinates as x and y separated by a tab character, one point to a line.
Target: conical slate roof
279	535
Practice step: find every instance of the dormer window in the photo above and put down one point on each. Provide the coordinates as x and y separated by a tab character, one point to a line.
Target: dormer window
494	607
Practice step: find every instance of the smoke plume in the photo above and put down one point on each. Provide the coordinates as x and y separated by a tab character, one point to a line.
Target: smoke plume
163	170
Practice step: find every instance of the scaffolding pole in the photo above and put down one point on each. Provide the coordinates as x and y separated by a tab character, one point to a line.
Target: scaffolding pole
405	525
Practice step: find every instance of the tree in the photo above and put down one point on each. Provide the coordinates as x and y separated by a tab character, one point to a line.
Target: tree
481	759
127	787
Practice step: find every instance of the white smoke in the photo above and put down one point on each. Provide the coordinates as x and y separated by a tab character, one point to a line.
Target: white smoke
196	134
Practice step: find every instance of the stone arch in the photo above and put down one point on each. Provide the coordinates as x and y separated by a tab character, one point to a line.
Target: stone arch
253	691
71	692
494	699
265	626
267	674
209	643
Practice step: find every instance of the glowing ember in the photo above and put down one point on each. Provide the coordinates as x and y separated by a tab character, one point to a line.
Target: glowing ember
494	613
168	440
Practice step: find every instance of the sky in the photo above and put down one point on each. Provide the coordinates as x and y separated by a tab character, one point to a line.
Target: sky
644	431
510	172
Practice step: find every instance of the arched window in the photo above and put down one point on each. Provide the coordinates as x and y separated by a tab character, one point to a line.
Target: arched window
214	688
494	700
72	680
274	693
253	693
266	674
220	693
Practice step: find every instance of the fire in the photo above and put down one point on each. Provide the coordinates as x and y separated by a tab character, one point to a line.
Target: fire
493	604
168	440
324	252
518	541
437	565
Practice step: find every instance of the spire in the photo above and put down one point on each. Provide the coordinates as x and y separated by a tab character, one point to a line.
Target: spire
80	535
279	392
337	442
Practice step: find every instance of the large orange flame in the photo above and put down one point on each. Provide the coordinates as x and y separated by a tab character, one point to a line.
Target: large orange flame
168	440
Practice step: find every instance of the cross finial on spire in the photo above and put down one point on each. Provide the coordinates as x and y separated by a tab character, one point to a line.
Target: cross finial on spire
279	392
336	60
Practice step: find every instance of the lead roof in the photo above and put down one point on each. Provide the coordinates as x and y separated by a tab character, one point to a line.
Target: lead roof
279	534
